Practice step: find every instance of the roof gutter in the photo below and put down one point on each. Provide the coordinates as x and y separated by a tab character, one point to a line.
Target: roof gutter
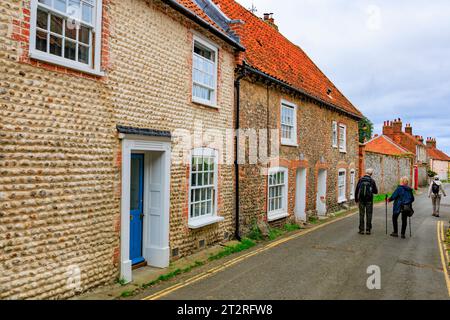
289	87
192	16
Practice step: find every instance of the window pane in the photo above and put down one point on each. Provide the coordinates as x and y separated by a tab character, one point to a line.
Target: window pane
71	30
84	35
55	45
208	54
42	19
70	49
194	180
60	5
74	9
41	41
56	24
83	54
203	209
135	184
87	13
203	195
47	2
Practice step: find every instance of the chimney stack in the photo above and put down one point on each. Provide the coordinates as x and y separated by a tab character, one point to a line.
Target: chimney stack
268	18
431	143
398	126
388	130
408	129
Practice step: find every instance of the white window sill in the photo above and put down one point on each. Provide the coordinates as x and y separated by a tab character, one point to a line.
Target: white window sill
205	103
342	201
343	151
203	222
276	216
289	144
45	57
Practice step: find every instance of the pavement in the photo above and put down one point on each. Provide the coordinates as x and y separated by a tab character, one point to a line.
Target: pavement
329	263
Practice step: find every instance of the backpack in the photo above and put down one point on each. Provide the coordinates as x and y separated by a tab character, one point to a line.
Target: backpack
435	188
366	192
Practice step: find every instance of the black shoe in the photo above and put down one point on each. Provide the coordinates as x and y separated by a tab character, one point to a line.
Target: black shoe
403	236
361	232
368	232
395	235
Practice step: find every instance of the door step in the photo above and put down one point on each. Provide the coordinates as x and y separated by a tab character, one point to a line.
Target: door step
140	265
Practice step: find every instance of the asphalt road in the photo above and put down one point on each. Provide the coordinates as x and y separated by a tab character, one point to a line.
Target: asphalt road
332	262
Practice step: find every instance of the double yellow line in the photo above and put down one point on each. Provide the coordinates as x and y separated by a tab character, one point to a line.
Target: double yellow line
444	253
241	258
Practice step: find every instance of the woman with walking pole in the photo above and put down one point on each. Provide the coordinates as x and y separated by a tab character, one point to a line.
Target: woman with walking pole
403	199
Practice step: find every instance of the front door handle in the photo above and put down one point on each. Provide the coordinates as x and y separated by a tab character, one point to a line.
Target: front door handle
131	217
142	216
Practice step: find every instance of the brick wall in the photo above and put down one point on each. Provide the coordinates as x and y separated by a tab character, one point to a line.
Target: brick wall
260	109
60	153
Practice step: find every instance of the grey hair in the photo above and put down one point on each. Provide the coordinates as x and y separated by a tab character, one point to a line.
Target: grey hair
404	181
369	171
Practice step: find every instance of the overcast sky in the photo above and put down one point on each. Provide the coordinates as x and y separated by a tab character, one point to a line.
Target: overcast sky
390	58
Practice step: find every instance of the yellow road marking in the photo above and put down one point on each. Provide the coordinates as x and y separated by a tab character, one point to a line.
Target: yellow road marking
440	233
241	258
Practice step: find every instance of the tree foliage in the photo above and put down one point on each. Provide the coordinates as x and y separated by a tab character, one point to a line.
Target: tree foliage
365	130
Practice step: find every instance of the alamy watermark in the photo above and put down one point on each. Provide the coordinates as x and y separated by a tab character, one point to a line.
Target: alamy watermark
374	280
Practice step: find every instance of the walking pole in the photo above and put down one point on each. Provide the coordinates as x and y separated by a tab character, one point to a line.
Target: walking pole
386	201
410	228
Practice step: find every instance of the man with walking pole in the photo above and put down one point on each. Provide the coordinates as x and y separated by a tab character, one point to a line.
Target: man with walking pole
365	190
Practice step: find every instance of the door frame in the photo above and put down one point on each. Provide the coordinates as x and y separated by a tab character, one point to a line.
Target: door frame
325	172
157	255
301	177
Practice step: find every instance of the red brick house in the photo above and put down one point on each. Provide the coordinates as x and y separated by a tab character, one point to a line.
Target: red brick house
412	143
285	100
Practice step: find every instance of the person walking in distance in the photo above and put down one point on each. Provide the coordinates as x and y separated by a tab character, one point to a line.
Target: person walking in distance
436	192
403	196
365	190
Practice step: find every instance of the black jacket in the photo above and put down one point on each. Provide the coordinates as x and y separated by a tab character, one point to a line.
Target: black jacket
358	187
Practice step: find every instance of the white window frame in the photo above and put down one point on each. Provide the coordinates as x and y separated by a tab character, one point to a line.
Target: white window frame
342	143
342	199
94	68
202	221
352	184
335	134
293	141
210	46
283	212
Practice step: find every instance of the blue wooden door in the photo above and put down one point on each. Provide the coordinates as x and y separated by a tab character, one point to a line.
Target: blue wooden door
136	207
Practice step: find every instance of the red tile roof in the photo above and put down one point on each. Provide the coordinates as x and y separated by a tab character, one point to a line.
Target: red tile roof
273	54
437	154
384	145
